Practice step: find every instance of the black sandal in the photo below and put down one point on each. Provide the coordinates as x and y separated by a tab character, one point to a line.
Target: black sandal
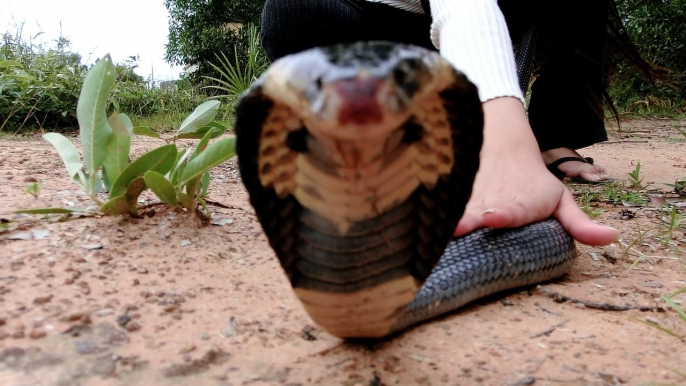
553	168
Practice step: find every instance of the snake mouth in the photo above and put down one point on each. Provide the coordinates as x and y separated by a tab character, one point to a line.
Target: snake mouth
356	106
359	100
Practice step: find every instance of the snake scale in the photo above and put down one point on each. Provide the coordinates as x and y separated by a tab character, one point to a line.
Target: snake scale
359	160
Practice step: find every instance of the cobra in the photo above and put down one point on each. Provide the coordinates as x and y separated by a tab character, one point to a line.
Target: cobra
359	160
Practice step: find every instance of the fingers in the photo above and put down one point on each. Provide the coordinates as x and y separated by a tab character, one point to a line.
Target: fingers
468	224
499	216
513	215
582	228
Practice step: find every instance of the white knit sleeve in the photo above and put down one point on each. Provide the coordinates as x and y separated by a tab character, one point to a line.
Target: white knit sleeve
473	36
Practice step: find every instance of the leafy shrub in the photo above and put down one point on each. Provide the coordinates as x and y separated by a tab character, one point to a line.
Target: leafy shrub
177	178
199	29
40	85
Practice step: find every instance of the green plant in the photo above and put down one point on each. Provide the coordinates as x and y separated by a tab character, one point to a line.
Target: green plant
635	178
177	178
584	200
677	308
658	29
235	79
679	186
198	29
616	194
666	227
33	189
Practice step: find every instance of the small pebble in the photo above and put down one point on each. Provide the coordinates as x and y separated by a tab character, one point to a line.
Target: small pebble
142	270
204	336
18	334
42	299
85	347
186	349
123	320
132	326
37	333
104	312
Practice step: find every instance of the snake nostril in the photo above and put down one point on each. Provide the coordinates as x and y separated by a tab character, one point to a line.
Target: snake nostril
297	140
413	132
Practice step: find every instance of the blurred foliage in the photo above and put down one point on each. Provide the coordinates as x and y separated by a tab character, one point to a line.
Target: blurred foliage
658	29
40	86
199	30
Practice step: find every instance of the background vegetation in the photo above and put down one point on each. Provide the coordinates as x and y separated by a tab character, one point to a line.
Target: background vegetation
219	42
658	28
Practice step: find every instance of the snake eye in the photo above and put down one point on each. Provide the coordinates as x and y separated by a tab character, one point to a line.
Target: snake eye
318	82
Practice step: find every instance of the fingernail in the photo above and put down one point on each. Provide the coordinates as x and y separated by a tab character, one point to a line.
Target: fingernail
614	229
492	210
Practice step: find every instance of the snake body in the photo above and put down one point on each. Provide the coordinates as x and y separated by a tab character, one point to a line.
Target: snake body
359	160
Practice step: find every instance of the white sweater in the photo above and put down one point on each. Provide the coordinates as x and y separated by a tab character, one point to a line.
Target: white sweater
473	36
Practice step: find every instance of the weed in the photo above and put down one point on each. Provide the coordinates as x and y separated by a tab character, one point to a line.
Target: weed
234	80
679	186
177	178
616	194
666	227
585	199
676	307
33	189
635	178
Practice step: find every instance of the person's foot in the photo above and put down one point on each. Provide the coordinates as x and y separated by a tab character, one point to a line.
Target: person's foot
565	162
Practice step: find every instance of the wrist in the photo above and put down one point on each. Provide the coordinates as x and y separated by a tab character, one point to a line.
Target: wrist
506	127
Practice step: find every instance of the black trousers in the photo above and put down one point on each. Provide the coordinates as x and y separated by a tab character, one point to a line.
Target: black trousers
564	106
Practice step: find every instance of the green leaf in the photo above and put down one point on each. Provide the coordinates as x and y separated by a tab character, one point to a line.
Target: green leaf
47	211
205	184
126	202
201	116
90	112
118	146
675	306
178	172
204	206
202	145
159	160
186	201
68	152
161	187
127	123
116	206
192	186
216	128
9	63
144	130
214	155
180	159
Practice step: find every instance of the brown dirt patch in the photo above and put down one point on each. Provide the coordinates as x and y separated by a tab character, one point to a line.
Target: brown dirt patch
159	300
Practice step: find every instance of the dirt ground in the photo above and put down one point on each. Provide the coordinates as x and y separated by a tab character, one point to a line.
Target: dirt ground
159	300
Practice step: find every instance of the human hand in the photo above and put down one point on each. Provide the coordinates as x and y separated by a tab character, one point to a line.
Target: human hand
513	187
